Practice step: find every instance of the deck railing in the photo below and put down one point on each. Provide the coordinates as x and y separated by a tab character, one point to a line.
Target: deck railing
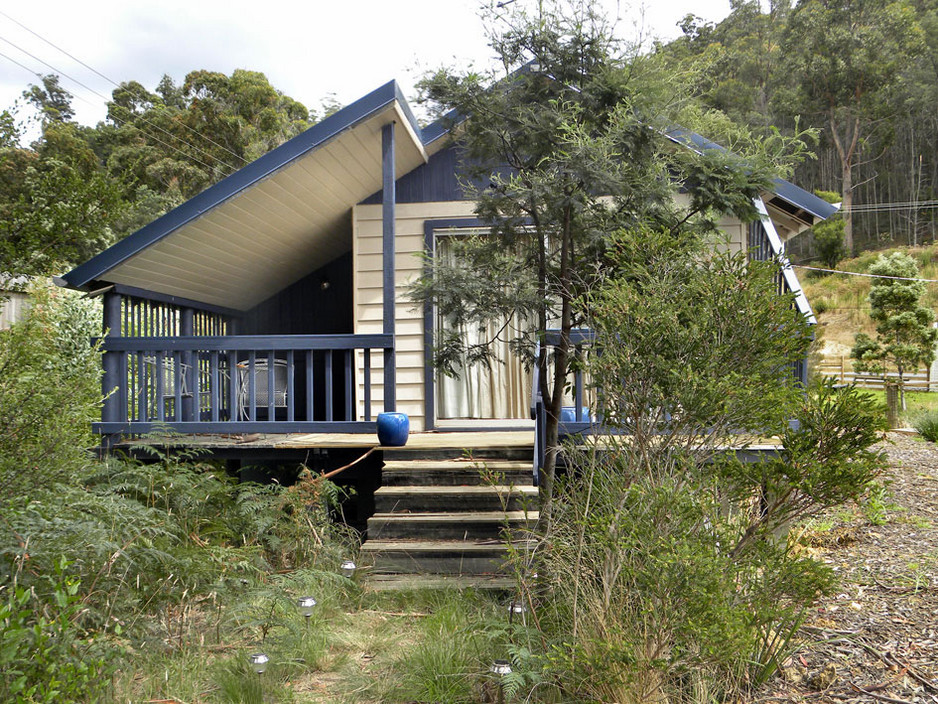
247	383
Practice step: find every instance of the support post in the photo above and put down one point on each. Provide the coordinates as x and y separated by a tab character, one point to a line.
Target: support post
189	403
111	411
388	203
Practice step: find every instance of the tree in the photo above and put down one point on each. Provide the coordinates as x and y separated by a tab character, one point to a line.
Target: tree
670	575
53	102
844	58
829	234
905	338
562	150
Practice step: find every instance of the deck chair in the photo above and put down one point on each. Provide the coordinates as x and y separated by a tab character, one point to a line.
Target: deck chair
262	397
164	370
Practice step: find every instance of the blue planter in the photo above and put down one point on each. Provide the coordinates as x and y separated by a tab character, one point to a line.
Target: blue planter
568	414
393	429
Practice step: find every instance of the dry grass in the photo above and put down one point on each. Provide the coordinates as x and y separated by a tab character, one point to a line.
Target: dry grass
841	301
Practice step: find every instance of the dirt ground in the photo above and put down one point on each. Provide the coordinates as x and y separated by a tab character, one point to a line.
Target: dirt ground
876	639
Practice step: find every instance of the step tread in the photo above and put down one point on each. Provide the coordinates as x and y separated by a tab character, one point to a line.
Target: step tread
455	464
389	582
498	489
443	517
475	545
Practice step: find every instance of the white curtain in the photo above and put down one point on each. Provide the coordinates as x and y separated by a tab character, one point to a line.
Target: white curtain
500	389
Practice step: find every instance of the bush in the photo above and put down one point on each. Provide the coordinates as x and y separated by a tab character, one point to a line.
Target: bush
46	656
49	393
927	425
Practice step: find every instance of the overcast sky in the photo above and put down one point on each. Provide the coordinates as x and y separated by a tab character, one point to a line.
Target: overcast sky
307	50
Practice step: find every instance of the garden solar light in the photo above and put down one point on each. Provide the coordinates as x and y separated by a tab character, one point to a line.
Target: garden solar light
348	569
306	605
516	607
259	662
501	668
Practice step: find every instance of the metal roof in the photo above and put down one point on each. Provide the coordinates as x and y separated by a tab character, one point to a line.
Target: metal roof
273	221
794	200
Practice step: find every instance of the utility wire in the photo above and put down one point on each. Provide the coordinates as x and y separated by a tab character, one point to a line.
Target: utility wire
115	83
868	276
143	119
888	207
116	119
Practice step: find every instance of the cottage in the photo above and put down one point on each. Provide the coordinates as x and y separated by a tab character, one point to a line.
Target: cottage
273	301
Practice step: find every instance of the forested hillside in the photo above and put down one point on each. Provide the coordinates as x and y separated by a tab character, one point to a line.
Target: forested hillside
862	73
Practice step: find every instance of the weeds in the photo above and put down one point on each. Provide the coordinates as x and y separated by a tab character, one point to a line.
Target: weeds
926	424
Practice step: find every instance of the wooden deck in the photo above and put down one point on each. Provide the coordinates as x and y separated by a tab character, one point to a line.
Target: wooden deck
311	441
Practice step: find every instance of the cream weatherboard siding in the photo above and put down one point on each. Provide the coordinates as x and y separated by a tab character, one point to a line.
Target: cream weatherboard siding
367	278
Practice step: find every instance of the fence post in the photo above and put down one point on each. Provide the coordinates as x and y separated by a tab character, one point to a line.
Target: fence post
892	404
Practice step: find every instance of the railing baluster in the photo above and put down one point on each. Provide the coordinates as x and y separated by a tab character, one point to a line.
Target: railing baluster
578	384
291	412
328	385
214	397
271	388
160	387
347	380
143	390
178	376
310	387
367	373
234	386
252	385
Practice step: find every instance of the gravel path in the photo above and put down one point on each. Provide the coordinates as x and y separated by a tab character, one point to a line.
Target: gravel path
877	638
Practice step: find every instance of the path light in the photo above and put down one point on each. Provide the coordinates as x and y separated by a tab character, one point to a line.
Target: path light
306	605
516	608
501	669
259	662
348	569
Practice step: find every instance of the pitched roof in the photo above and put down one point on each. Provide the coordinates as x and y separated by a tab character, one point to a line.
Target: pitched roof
271	222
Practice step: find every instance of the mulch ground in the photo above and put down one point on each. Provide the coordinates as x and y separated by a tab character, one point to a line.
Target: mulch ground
876	639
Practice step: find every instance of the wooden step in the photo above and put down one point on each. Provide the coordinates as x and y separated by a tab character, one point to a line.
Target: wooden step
455	472
522	452
479	525
433	499
453	557
409	582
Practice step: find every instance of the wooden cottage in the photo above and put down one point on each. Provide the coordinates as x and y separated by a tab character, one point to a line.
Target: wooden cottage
273	302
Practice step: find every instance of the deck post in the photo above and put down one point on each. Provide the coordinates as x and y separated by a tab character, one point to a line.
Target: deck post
111	411
189	403
388	202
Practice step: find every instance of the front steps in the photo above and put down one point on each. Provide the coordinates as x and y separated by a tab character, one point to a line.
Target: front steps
444	519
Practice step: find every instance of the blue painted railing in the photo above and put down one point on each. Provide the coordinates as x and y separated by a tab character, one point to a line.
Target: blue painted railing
247	383
575	419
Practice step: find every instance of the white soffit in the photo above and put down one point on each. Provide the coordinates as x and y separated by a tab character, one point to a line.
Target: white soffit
279	229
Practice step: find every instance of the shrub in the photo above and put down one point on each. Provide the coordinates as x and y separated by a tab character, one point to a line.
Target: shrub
46	656
49	393
927	425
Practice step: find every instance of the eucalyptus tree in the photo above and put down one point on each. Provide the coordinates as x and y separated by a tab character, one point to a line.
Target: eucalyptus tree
843	59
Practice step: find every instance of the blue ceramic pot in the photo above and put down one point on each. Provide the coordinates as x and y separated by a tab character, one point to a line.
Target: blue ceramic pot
393	429
568	414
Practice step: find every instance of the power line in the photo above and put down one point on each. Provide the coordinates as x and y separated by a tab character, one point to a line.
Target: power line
115	83
116	119
143	119
868	276
892	207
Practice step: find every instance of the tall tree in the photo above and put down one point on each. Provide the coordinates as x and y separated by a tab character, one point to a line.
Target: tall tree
844	58
563	150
